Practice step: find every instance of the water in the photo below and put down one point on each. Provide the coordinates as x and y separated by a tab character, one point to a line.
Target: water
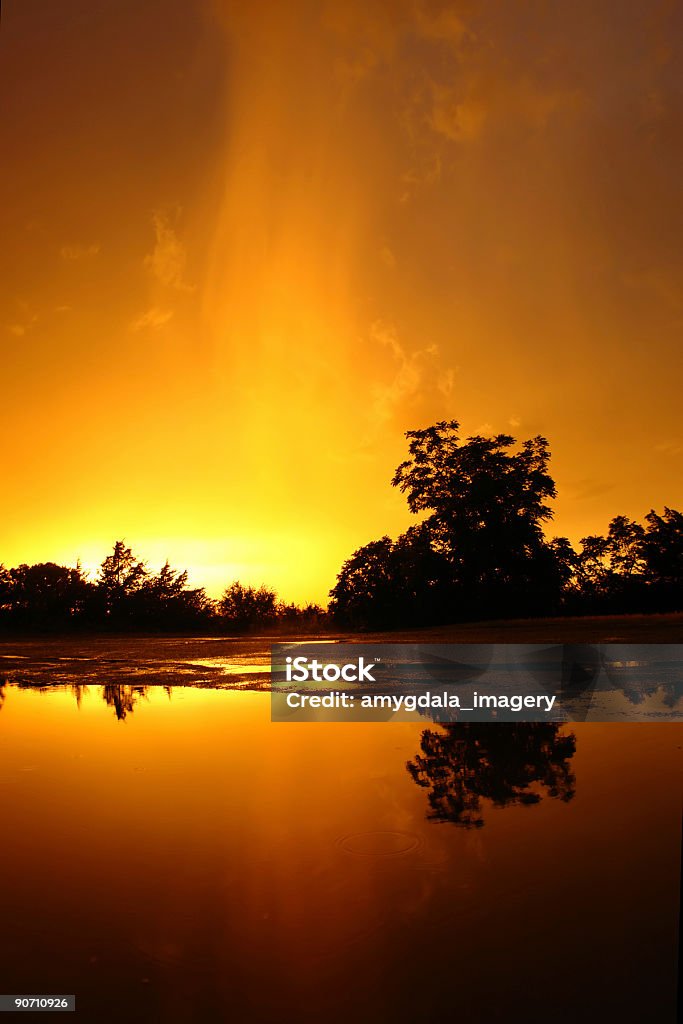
168	854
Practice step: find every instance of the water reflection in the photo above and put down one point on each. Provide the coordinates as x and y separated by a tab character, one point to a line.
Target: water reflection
461	765
506	764
304	856
121	697
638	673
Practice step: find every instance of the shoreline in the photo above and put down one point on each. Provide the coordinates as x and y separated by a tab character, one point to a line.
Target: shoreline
665	627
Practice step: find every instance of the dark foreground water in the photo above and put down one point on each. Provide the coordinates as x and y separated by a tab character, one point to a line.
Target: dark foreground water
168	854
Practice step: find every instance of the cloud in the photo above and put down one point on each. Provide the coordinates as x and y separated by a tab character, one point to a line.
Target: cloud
443	25
446	381
415	374
406	380
27	322
152	319
480	102
586	489
75	251
387	256
168	258
674	446
458	119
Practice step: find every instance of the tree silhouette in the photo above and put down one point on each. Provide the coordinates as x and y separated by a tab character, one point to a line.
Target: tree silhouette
120	577
625	546
244	607
487	505
168	584
6	602
480	551
609	570
663	552
387	584
165	601
632	568
309	617
44	594
464	764
128	596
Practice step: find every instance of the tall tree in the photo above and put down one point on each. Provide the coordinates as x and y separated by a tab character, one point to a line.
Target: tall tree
121	576
487	504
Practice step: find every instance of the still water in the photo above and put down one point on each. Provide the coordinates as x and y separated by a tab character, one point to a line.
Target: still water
168	854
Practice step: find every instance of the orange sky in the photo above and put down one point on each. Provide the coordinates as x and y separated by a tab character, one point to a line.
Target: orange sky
247	244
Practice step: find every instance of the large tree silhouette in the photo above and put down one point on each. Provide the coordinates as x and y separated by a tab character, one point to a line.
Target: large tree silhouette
480	551
487	505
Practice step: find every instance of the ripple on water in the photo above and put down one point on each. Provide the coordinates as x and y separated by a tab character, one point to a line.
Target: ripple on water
379	844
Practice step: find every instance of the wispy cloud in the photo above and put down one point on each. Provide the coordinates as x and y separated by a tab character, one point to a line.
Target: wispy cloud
168	258
586	489
387	257
151	319
415	373
674	446
446	382
444	25
18	330
78	251
26	320
458	118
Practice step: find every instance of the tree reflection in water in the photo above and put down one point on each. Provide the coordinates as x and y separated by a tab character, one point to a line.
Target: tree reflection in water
122	697
504	763
79	690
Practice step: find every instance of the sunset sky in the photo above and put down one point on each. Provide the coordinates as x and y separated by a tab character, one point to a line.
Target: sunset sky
246	244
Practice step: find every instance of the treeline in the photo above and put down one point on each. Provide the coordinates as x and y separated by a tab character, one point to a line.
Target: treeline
480	550
127	596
